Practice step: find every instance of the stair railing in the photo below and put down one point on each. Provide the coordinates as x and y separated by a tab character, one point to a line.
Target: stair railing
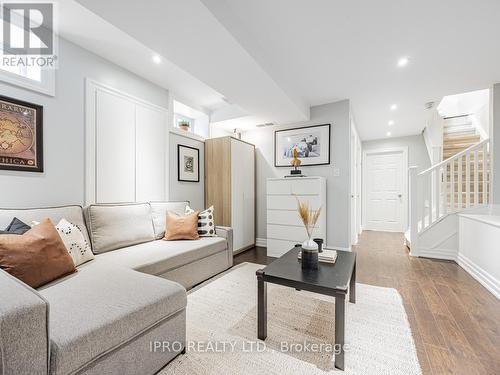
455	184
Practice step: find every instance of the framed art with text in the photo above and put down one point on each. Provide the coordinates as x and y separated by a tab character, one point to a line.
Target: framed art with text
21	135
188	164
311	142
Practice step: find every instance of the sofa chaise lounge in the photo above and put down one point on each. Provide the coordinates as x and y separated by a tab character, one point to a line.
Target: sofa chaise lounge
104	318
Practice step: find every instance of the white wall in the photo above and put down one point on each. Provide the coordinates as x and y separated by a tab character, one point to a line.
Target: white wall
473	103
338	188
63	179
433	136
194	192
217	132
495	139
201	119
481	120
417	151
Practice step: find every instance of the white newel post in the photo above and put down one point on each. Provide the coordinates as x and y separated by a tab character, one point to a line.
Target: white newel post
413	211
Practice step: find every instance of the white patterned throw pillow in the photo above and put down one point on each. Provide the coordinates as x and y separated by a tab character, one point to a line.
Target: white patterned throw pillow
72	237
206	224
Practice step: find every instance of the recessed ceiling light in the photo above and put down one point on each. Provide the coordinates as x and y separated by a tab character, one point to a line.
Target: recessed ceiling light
403	61
156	59
391	123
388	134
394	107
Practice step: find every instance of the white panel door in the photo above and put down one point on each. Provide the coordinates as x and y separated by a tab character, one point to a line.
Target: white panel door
115	148
354	202
385	193
150	153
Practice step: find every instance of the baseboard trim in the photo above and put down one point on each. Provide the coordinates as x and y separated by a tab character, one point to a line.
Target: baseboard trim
261	242
483	277
236	252
446	254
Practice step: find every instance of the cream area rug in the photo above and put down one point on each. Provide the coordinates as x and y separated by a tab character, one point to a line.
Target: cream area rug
222	331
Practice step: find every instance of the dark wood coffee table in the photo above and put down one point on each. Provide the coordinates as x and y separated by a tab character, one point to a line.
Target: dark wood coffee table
333	280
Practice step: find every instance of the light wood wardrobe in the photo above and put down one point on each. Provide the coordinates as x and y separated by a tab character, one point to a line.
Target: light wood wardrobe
230	187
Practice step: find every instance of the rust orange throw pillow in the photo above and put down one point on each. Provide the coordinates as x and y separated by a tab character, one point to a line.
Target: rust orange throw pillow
37	257
181	227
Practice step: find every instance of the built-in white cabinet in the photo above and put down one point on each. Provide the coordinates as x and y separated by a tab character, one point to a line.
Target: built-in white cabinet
126	147
115	158
150	154
230	187
284	226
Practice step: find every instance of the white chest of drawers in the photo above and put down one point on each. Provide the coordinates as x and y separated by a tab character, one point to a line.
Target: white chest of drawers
284	226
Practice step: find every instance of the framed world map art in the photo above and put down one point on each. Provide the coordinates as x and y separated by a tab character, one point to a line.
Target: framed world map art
21	135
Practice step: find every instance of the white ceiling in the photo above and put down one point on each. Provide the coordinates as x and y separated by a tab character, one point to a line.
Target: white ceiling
326	50
80	26
186	33
276	58
464	104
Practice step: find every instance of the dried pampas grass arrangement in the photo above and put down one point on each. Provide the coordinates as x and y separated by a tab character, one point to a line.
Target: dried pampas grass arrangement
308	215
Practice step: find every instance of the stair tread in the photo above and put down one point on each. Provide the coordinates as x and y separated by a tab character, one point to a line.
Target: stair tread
464	162
462	137
471	158
465	183
458	146
455	144
449	152
465	125
469	133
459	133
464	194
464	175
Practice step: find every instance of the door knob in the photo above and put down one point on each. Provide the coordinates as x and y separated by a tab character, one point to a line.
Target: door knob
399	195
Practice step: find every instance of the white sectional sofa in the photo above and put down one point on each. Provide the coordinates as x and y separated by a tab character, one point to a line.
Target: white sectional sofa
103	318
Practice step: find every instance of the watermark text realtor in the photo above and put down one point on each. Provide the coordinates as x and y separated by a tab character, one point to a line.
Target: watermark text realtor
29	37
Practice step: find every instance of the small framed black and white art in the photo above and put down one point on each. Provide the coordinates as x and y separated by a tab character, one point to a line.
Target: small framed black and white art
188	163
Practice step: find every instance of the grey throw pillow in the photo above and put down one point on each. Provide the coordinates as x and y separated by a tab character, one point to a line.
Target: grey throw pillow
16	226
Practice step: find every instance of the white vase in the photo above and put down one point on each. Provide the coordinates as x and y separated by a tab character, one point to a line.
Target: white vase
310	245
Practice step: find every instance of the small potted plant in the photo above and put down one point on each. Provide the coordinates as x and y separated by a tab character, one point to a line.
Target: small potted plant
184	125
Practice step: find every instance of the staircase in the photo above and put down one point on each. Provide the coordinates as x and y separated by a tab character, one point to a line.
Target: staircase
461	181
459	134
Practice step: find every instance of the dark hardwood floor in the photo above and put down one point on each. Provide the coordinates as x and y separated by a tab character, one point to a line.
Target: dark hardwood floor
254	255
455	321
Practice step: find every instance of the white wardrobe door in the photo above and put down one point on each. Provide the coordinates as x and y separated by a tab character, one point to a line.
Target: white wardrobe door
249	196
237	200
243	195
150	153
115	148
